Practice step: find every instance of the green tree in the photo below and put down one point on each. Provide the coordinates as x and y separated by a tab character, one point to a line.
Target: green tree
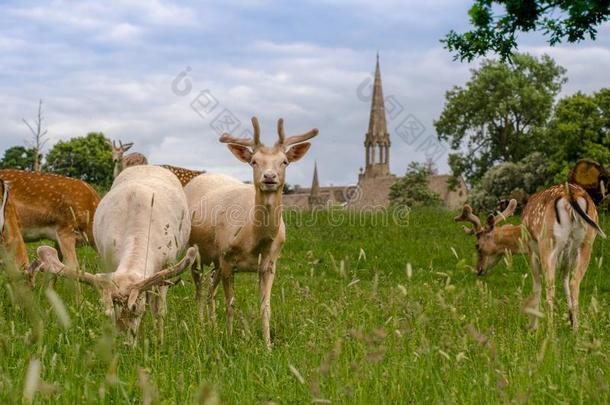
18	157
580	128
496	24
88	158
412	189
511	180
498	116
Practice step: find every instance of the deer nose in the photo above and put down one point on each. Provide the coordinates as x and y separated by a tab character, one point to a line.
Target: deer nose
270	177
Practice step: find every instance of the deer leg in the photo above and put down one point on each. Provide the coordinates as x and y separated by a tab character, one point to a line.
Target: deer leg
66	238
533	301
265	278
548	257
212	294
159	301
196	273
581	268
67	245
565	279
227	284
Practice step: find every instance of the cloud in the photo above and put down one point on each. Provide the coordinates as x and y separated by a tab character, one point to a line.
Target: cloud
110	67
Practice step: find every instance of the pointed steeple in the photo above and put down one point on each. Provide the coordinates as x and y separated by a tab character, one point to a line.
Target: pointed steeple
378	129
377	140
315	184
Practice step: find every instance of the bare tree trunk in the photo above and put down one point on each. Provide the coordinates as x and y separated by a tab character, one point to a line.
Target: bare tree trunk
38	138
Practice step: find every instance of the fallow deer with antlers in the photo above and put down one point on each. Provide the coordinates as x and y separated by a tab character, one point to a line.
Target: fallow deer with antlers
239	227
53	207
121	161
493	241
140	227
559	226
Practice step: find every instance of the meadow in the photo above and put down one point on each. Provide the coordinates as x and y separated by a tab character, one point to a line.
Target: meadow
366	309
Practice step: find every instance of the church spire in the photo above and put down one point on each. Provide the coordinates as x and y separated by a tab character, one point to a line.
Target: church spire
377	140
315	184
377	124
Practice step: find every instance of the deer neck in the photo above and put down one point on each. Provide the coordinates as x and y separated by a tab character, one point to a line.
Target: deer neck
267	214
509	237
118	167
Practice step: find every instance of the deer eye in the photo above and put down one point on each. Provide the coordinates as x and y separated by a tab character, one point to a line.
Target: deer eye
285	162
253	163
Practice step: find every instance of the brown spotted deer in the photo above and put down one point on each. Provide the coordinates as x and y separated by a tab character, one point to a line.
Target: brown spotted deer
493	241
140	228
12	240
559	226
53	207
184	175
121	161
239	227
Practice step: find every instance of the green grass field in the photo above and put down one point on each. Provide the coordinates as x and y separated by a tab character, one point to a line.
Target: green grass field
350	324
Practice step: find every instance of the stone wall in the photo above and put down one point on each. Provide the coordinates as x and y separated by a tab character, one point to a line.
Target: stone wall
373	193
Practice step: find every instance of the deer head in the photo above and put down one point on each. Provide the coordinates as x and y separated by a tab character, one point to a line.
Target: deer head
492	240
593	178
269	163
121	292
117	154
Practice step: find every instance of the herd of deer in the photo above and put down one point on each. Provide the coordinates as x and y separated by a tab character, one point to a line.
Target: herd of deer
152	214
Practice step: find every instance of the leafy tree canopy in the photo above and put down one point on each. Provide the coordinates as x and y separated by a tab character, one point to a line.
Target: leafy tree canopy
580	128
508	180
496	24
498	116
18	157
88	158
412	189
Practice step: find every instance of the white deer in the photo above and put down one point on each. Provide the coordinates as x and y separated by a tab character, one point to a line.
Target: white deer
140	227
239	227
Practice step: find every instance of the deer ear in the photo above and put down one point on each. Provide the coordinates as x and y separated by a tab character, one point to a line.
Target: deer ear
592	177
127	146
243	153
491	221
297	151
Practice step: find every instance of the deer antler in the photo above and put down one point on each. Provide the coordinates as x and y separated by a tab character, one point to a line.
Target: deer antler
228	138
48	261
160	277
294	139
468	216
508	211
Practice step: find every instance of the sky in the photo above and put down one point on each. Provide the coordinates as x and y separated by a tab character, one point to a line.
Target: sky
169	76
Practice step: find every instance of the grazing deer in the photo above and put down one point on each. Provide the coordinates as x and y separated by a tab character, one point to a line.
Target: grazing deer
120	161
562	225
493	241
140	227
12	240
559	226
239	227
53	207
184	175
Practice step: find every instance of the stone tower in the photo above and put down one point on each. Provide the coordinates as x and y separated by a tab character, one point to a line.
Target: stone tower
377	141
315	199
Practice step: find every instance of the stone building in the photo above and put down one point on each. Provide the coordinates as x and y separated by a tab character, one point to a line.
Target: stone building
375	179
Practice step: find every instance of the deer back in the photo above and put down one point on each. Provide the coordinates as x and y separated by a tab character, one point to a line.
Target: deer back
184	175
143	222
44	200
